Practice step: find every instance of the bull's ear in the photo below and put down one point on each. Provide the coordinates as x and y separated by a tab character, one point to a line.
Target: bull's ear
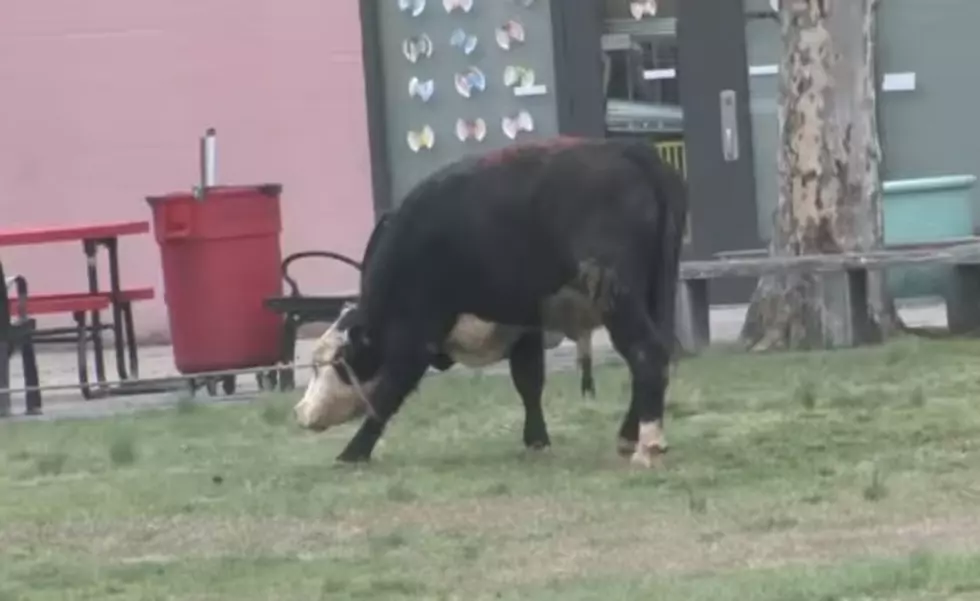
358	337
358	355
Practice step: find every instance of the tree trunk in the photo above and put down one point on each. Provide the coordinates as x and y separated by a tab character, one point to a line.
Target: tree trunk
830	189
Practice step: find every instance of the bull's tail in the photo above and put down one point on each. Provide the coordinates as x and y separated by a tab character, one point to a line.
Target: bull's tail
670	192
583	352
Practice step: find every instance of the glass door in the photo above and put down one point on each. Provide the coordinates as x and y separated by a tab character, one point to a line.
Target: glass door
640	60
712	72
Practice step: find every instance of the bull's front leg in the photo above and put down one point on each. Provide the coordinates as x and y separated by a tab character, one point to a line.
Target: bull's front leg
398	378
527	373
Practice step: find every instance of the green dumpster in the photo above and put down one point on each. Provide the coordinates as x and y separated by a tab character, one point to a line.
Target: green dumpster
920	210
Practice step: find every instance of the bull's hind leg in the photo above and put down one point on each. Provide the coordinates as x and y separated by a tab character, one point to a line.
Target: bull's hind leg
583	347
527	372
634	337
398	378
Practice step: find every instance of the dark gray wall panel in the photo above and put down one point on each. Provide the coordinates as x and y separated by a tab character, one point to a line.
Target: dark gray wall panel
403	112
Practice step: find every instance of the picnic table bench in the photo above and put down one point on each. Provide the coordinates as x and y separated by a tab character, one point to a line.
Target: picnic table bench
844	276
18	328
15	336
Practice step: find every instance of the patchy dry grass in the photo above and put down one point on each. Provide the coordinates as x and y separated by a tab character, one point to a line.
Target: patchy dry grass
851	475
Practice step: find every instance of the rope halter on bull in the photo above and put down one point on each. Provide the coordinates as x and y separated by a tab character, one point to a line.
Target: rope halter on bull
338	362
356	385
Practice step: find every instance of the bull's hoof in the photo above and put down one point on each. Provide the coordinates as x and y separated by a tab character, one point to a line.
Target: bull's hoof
650	459
537	445
588	389
625	448
536	438
651	446
538	452
352	458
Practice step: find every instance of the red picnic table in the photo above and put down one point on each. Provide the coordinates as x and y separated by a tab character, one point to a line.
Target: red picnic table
93	301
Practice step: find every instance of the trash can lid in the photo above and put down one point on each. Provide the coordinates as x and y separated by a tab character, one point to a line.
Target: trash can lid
269	189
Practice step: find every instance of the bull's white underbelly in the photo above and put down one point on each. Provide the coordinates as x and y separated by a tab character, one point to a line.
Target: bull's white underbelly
570	312
475	342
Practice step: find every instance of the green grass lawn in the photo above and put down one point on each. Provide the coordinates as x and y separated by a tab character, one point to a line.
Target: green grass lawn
825	476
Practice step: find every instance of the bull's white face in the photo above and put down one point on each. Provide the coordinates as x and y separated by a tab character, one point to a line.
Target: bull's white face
328	400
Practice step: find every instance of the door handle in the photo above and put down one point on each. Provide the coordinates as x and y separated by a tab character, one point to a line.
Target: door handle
729	125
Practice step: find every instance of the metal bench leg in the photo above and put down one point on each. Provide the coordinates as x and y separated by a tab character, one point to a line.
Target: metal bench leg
963	302
693	315
82	355
31	380
130	333
4	378
93	286
287	375
863	327
112	249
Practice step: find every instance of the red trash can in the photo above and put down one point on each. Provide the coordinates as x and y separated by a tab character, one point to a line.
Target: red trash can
221	260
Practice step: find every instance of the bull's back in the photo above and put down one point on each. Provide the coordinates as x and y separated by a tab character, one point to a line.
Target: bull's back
549	213
496	238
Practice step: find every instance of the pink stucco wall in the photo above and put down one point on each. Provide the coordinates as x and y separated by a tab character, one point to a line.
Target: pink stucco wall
102	103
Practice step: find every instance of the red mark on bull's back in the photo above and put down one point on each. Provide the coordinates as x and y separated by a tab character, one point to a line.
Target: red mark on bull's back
509	152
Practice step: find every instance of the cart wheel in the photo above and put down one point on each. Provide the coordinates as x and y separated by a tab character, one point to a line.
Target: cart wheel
266	380
212	386
228	384
286	379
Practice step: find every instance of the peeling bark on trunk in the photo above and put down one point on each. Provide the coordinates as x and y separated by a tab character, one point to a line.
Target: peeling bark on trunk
830	189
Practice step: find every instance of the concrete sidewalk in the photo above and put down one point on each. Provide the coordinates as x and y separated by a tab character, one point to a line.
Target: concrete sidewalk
59	367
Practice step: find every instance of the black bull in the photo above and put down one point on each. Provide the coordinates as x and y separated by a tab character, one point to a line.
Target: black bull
567	236
443	359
